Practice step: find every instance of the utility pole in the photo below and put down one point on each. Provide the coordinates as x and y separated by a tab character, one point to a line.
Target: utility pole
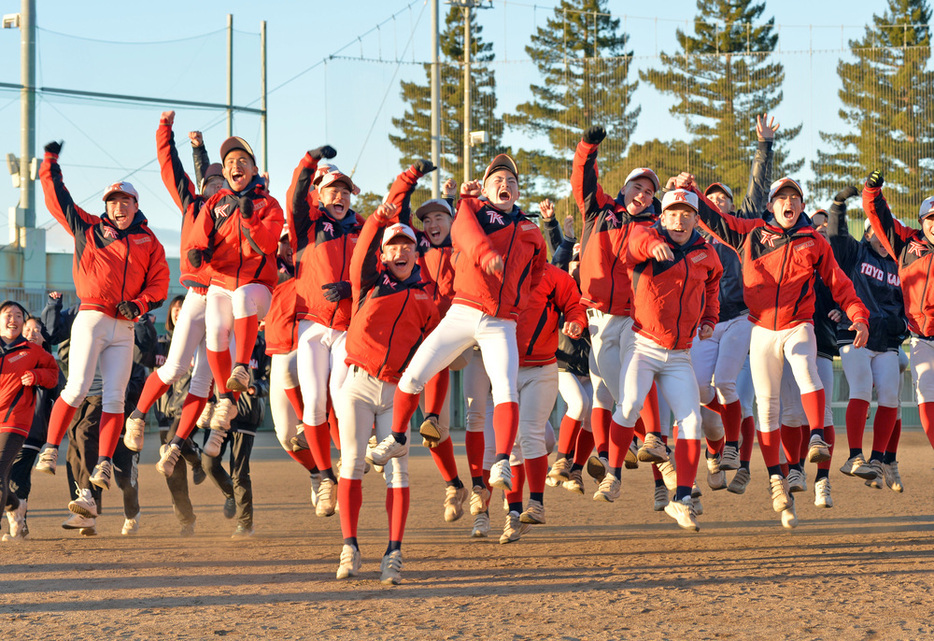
229	75
262	118
467	6
435	101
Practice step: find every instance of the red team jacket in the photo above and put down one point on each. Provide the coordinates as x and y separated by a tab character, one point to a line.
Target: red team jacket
481	232
187	198
672	298
607	226
321	250
244	249
539	321
110	265
281	322
915	256
391	317
17	402
779	267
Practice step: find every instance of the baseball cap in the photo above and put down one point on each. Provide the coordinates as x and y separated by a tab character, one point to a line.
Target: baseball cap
214	169
714	186
331	177
785	181
502	161
398	229
122	187
643	172
676	196
927	208
433	205
236	142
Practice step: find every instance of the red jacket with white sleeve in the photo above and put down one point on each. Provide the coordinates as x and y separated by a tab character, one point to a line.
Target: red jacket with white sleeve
16	401
540	320
482	232
779	266
110	265
672	298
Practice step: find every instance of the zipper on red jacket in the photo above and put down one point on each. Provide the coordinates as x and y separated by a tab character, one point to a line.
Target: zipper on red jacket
684	286
126	264
778	288
340	275
239	251
392	333
499	299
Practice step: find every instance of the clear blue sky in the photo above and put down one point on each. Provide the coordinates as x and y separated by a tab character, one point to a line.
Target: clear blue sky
176	49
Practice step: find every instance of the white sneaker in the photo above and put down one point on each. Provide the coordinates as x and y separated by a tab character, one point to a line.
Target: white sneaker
204	420
653	450
78	522
350	562
781	498
575	483
479	497
315	485
609	489
239	380
818	450
513	529
135	432
225	410
856	466
892	478
631	462
597	467
17	521
48	459
430	430
730	458
739	482
669	474
102	474
716	477
683	512
390	568
84	504
661	498
534	513
822	496
481	526
877	482
454	499
130	526
501	475
796	481
168	457
388	448
560	472
213	445
327	497
790	516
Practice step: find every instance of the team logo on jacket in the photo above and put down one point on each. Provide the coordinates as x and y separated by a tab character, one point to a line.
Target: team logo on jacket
389	282
805	245
769	238
328	228
698	257
529	226
17	357
916	248
611	219
222	211
495	217
110	232
141	240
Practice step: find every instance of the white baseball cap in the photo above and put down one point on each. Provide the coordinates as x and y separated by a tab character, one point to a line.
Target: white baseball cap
927	208
398	229
122	187
680	196
643	172
782	182
714	186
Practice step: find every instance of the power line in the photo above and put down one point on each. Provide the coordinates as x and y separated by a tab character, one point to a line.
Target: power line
135	42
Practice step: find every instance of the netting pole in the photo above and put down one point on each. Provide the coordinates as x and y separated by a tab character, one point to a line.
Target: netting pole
262	81
435	101
229	75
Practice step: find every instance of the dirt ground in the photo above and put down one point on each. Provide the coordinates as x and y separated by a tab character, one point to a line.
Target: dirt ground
862	570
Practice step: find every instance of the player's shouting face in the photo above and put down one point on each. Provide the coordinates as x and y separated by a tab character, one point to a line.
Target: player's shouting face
638	194
121	209
679	220
11	323
502	190
335	198
239	169
399	257
437	226
786	205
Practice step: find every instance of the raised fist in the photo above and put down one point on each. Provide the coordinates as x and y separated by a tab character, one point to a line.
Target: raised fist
245	205
325	151
168	117
847	192
594	135
875	180
54	147
423	166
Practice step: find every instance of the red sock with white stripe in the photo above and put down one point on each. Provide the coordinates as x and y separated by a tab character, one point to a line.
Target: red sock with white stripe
59	421
349	500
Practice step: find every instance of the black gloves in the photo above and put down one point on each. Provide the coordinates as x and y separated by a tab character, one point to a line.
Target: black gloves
197	256
847	192
423	166
325	151
594	135
54	147
245	205
336	292
875	180
128	309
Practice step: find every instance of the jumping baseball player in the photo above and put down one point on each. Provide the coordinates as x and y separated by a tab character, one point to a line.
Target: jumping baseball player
120	272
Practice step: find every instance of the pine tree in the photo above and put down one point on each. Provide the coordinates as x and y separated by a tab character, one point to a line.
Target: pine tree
888	109
581	56
414	127
721	79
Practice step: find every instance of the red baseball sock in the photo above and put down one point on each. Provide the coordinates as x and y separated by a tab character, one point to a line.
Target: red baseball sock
732	417
397	506
830	437
649	413
791	443
403	407
882	427
715	405
349	500
245	331
486	483
813	404
805	445
584	447
220	367
111	426
319	442
333	429
505	426
436	390
474	443
567	434
857	411
926	410
620	438
769	443
303	458
152	392
892	447
639	429
192	407
60	421
600	423
443	454
536	469
294	394
748	430
687	455
715	447
518	484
